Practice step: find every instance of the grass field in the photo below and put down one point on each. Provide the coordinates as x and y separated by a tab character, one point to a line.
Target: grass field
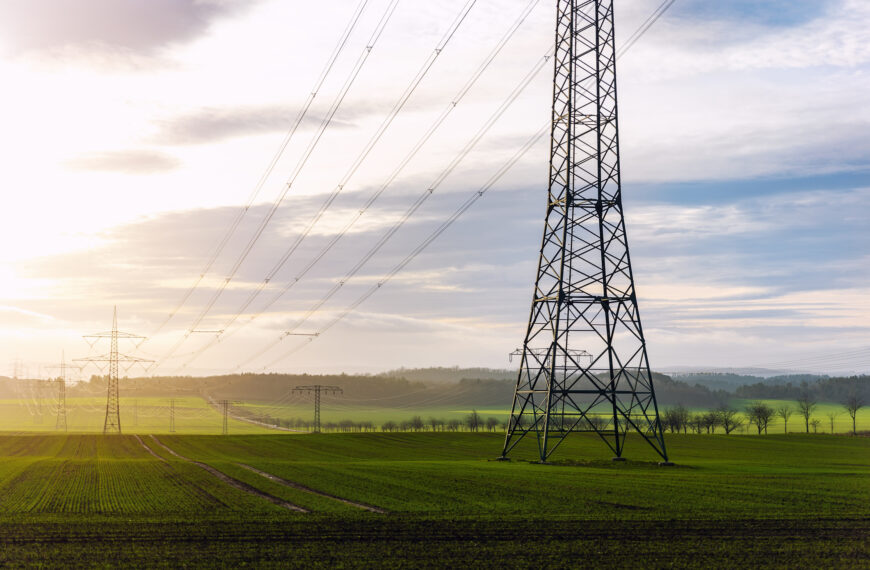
138	415
195	415
334	411
766	501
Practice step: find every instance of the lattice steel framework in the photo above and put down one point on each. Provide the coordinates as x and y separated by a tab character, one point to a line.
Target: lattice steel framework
113	359
584	363
60	423
317	389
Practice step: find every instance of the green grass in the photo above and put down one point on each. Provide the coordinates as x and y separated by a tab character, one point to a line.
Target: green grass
138	415
761	501
194	415
435	474
334	410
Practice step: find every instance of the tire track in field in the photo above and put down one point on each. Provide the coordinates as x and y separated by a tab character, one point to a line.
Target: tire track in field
301	487
148	449
240	485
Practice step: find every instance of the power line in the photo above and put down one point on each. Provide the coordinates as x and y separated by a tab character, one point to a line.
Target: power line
383	187
421	199
339	47
644	27
327	120
425	243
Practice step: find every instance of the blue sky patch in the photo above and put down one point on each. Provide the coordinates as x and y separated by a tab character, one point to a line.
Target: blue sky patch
778	13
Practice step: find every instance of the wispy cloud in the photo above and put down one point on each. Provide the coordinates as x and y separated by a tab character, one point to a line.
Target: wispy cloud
125	161
213	125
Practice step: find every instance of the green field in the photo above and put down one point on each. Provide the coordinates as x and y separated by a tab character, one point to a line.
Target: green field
765	501
335	411
138	415
195	415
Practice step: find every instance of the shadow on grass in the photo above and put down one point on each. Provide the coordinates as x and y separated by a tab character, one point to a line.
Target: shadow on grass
605	464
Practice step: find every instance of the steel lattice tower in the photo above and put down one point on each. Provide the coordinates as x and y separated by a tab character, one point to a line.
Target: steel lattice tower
112	423
317	389
584	363
113	405
60	423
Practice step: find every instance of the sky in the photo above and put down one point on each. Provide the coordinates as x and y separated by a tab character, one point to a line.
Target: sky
135	132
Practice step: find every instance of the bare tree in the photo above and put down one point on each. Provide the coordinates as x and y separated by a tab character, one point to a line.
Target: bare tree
473	421
759	414
597	422
491	423
853	404
696	422
728	419
785	412
816	422
676	419
806	407
832	416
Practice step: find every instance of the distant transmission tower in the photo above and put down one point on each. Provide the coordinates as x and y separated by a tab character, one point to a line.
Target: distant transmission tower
113	359
60	423
172	416
225	410
60	382
584	363
317	389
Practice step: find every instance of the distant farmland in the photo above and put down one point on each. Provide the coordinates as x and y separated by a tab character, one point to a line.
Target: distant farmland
360	498
196	415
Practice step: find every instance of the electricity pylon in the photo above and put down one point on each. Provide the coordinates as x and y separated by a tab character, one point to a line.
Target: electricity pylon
112	423
584	362
172	415
60	381
225	407
317	389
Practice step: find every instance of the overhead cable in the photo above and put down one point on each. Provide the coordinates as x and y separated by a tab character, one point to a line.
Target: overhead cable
339	47
327	120
374	197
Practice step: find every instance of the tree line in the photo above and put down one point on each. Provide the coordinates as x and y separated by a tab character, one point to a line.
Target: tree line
761	416
473	422
756	415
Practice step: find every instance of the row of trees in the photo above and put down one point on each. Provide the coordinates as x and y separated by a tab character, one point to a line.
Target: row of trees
676	419
757	414
472	422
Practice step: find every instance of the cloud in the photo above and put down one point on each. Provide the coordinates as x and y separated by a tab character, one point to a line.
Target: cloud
140	26
216	124
125	161
12	312
728	91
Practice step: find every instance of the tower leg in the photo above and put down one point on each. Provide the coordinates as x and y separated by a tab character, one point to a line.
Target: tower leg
584	362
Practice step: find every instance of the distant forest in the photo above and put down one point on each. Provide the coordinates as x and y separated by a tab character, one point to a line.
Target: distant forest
466	387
